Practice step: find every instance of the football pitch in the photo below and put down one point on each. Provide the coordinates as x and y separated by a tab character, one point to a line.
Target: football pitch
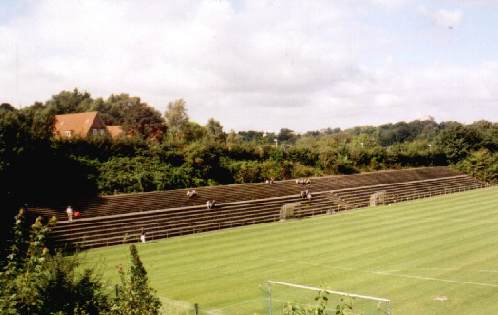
430	256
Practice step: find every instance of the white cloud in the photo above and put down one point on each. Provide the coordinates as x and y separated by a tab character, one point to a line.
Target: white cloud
442	17
390	3
260	64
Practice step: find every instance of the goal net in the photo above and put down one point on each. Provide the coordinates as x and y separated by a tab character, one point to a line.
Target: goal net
283	298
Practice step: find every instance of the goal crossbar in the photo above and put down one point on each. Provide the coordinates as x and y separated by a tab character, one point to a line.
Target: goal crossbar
300	286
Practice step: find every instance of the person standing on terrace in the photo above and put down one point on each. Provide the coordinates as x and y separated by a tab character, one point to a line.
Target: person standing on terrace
69	212
142	235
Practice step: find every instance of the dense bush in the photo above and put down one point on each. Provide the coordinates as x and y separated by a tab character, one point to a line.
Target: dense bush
482	164
34	281
134	295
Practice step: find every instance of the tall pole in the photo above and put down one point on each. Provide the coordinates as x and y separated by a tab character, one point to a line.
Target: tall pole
430	154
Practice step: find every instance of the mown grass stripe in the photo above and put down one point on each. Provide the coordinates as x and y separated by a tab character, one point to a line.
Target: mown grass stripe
380	251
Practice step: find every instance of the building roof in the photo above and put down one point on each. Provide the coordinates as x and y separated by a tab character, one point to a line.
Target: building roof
78	123
115	131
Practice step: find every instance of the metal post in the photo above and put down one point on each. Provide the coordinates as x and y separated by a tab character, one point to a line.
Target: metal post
269	300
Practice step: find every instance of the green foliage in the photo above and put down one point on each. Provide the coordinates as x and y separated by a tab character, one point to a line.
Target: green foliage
66	291
177	120
344	307
35	282
286	136
134	296
124	174
214	131
205	160
481	164
136	117
458	141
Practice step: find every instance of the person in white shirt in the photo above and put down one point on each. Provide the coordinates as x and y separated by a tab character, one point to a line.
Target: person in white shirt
142	236
69	212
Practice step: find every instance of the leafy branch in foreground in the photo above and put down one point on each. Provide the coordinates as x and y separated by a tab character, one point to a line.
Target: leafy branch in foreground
320	308
34	281
134	295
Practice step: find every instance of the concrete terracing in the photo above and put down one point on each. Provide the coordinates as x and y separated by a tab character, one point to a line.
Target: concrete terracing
138	202
119	219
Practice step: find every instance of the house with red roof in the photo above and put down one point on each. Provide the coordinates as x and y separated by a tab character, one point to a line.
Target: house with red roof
83	125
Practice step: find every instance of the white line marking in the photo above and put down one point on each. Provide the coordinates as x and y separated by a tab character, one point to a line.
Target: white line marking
366	297
389	273
436	279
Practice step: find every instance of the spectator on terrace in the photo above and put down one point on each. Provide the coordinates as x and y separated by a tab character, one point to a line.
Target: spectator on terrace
308	195
191	193
210	204
69	212
308	181
272	180
267	181
302	194
142	235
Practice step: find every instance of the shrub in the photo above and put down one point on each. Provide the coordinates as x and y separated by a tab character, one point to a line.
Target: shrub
134	296
36	282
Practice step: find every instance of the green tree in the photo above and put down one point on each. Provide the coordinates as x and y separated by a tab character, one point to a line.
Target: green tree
176	119
215	131
134	295
67	102
6	107
35	282
458	141
286	135
482	164
136	117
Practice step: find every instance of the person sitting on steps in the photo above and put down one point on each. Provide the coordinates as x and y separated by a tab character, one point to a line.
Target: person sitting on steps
302	194
210	204
191	193
308	195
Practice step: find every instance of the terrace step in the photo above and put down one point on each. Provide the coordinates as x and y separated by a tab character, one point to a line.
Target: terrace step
125	228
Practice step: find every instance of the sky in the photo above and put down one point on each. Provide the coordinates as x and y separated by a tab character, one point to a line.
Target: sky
261	64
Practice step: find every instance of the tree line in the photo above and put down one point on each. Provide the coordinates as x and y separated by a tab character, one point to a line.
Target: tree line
168	150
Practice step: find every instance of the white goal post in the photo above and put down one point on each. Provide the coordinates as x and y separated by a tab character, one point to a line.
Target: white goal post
279	294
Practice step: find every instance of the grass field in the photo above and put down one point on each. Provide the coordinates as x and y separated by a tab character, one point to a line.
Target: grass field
411	253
